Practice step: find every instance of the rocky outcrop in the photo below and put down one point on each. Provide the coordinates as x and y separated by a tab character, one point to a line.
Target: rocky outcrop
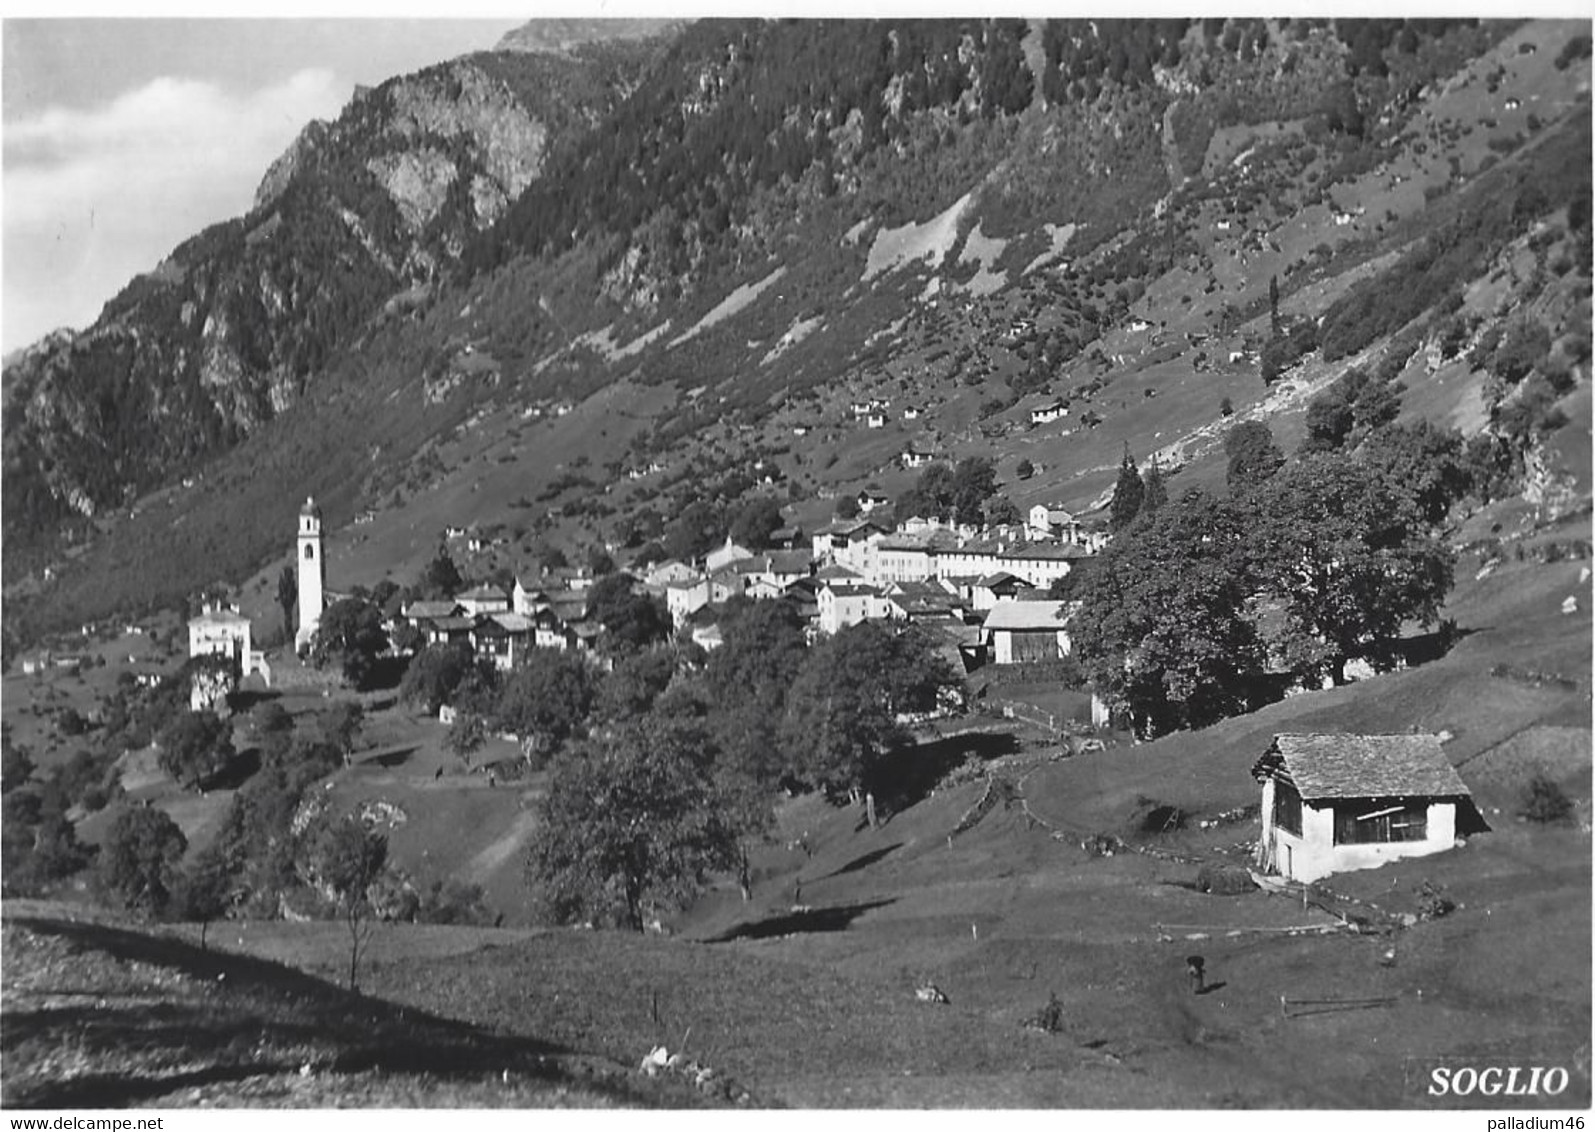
231	328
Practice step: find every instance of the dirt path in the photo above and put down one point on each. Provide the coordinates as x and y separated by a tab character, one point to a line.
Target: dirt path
514	839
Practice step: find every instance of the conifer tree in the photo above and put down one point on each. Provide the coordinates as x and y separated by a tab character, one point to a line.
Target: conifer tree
1127	494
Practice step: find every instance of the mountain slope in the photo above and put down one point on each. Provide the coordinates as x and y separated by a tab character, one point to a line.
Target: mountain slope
777	218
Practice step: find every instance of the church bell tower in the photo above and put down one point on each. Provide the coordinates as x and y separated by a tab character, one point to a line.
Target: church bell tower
312	574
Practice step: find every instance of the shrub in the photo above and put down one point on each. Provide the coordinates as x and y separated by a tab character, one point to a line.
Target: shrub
1544	802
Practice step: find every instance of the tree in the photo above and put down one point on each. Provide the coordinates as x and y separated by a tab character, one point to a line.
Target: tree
599	562
287	596
441	578
434	674
755	522
16	767
548	699
1156	492
466	736
141	858
842	710
1024	469
350	634
1253	455
631	620
974	481
631	824
340	726
272	727
344	861
630	689
1430	463
1350	558
696	531
1127	494
204	891
1002	511
1274	327
195	746
1161	632
847	507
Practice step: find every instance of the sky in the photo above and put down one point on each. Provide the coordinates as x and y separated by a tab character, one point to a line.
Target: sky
122	138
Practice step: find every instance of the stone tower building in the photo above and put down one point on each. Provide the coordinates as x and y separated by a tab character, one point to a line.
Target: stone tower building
312	574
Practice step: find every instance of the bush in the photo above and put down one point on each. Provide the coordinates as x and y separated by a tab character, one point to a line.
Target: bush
1544	802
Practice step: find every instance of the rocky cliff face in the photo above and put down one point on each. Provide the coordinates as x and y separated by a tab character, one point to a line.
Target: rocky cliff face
231	329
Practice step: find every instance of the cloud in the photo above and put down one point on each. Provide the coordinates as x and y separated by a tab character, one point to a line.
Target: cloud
93	197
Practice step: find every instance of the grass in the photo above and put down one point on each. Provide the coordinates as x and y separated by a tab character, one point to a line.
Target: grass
104	1015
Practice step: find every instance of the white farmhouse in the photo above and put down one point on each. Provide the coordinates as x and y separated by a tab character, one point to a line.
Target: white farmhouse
1335	803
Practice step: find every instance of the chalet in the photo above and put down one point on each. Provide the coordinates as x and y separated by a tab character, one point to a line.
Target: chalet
850	543
784	567
503	638
1048	520
421	614
723	556
483	599
447	630
524	599
911	412
549	630
669	572
1048	411
875	420
1334	803
870	501
987	591
685	598
1026	631
220	631
924	602
727	583
786	538
842	604
913	457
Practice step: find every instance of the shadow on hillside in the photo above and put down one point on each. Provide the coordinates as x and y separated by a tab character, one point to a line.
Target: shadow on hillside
390	759
864	861
836	918
907	776
239	1017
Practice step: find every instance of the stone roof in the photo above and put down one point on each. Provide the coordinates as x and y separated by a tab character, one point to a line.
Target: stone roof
791	561
1324	766
482	593
1042	551
509	622
1026	615
999	578
427	610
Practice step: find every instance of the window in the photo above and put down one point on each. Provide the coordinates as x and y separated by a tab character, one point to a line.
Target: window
310	552
1287	808
1367	823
